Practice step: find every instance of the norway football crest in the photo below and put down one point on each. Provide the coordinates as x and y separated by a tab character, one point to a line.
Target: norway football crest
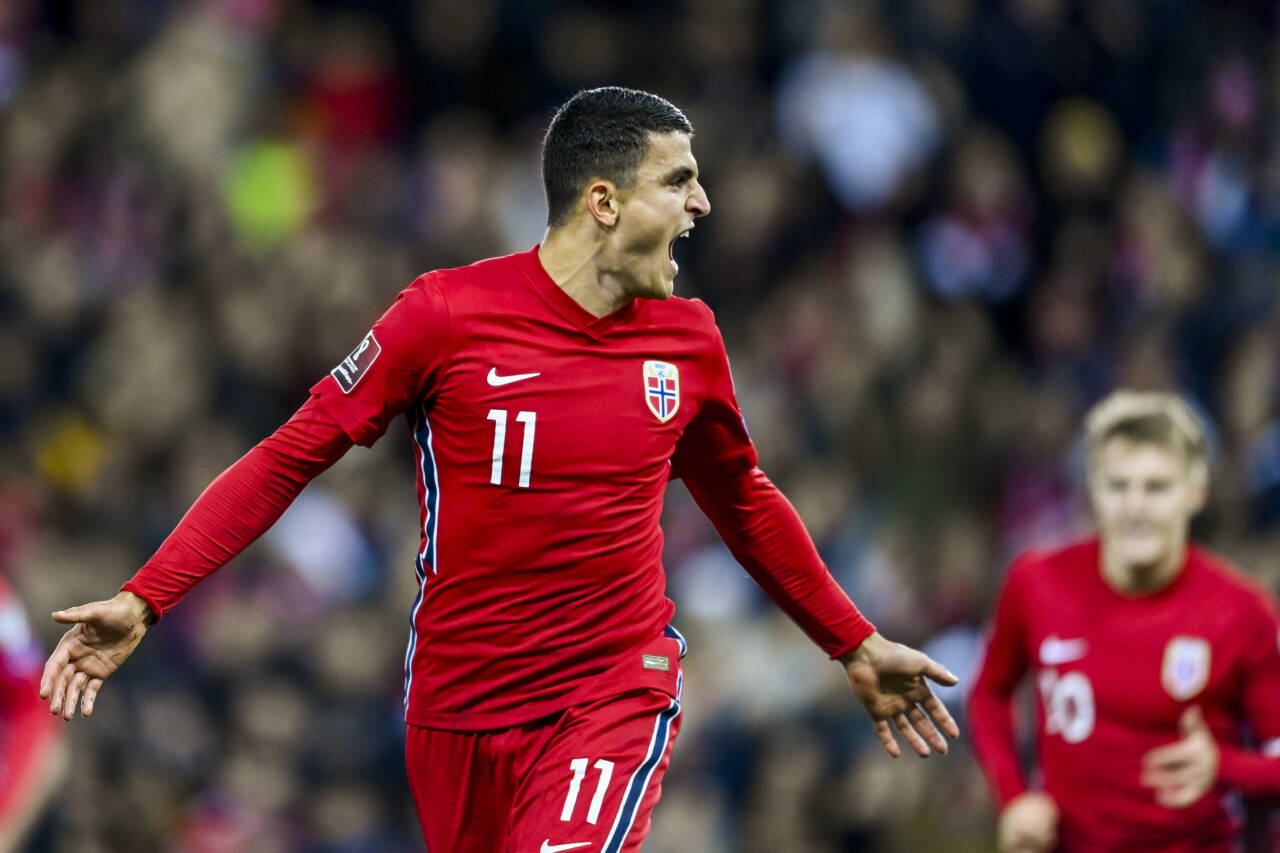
1185	671
662	389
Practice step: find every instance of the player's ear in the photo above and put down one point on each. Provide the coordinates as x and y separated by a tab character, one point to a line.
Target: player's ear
602	202
1199	472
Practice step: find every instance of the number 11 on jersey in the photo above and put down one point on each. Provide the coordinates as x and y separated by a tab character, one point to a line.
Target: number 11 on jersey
499	418
579	768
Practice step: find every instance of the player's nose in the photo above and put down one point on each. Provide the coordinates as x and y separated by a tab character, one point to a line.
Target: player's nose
698	203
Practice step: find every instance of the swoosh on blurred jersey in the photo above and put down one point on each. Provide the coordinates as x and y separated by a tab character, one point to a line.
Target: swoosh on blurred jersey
1054	651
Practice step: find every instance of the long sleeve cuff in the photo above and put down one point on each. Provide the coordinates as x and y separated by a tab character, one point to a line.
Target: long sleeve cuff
1251	772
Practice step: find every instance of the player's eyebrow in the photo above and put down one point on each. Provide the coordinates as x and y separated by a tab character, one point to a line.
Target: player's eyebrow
681	172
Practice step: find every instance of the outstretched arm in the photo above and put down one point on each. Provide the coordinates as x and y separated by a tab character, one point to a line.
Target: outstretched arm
765	534
237	507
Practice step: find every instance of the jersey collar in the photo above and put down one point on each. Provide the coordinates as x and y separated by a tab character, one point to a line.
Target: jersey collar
564	305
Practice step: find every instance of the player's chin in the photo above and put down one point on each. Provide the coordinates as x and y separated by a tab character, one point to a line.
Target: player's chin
663	285
1141	551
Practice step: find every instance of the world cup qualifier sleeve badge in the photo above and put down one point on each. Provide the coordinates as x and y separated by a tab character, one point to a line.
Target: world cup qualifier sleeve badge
1185	671
662	389
353	368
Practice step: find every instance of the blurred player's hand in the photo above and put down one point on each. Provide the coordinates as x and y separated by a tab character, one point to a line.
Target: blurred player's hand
1028	824
103	636
1185	770
890	681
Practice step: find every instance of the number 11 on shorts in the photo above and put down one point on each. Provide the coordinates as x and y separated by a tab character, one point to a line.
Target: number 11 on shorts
579	768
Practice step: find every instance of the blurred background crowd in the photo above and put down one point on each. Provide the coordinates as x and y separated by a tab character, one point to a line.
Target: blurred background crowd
941	229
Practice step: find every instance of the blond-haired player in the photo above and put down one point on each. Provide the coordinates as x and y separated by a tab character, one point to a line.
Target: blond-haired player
1151	659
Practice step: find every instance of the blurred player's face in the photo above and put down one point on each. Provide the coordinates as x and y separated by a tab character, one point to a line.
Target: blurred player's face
1144	496
656	212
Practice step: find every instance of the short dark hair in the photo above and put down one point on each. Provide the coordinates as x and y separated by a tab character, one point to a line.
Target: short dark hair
601	133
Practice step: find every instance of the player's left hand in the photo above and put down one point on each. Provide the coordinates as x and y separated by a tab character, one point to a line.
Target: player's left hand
1185	770
890	680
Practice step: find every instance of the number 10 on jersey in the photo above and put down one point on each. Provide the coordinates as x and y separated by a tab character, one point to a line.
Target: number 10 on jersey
499	418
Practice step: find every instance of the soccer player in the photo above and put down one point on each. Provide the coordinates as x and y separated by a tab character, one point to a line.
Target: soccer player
32	752
1149	655
551	395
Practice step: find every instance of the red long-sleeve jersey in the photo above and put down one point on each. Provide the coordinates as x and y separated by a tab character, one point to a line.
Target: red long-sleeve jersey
543	439
1113	674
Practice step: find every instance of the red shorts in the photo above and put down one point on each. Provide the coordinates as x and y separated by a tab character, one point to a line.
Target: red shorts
585	779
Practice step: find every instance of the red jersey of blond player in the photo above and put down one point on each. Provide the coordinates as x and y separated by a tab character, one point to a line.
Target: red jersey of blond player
1113	674
544	439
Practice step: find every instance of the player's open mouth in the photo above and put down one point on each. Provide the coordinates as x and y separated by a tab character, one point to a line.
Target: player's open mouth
671	247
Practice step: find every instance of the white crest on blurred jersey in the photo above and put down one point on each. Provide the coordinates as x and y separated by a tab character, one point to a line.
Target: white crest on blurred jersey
1185	671
662	389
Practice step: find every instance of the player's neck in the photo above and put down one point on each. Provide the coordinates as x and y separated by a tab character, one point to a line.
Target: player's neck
1128	578
573	261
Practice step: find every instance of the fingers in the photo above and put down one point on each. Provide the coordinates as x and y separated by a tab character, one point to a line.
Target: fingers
941	716
60	682
1177	797
1163	777
886	738
82	613
90	696
73	695
917	743
53	666
1168	757
939	673
921	723
1175	787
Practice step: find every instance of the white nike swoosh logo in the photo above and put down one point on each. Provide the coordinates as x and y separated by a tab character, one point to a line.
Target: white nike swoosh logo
495	379
548	847
1054	651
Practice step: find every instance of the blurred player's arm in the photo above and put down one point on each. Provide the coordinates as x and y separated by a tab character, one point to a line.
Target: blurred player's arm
1184	771
32	750
1027	819
766	535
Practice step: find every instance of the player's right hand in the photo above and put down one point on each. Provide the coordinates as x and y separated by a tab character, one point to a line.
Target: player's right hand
102	637
1028	824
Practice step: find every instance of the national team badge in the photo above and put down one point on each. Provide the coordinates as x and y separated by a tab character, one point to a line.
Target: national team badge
1185	671
662	389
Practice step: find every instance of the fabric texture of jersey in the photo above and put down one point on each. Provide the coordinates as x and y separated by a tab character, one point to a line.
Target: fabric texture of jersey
544	438
1112	676
585	778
